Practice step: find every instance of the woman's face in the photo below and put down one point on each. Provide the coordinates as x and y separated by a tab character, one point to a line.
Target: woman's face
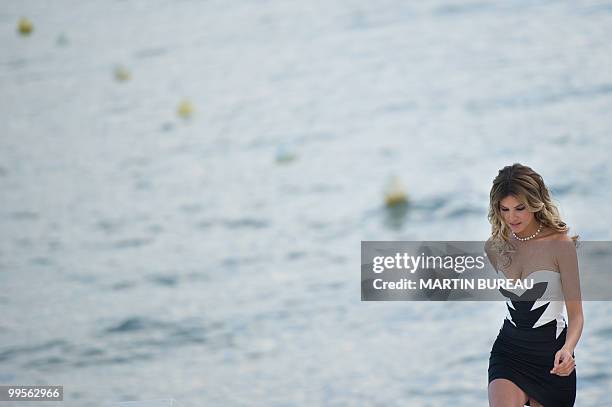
515	214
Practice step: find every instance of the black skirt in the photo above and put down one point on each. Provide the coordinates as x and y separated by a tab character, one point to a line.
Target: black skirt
526	356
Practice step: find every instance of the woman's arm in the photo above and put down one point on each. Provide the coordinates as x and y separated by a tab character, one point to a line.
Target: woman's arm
491	254
575	324
567	260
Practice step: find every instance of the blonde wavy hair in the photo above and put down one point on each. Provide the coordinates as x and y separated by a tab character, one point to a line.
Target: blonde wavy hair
528	187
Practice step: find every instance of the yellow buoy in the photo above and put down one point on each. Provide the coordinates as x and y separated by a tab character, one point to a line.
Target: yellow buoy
185	109
122	74
395	193
25	26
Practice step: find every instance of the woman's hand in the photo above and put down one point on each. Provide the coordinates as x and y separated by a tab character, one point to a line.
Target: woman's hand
564	363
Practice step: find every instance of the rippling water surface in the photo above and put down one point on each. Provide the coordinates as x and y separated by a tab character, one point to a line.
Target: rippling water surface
216	259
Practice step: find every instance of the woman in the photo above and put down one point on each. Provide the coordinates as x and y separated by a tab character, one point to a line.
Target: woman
532	359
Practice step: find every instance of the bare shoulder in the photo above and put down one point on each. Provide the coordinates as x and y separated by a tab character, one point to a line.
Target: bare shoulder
563	246
553	235
487	246
561	237
491	245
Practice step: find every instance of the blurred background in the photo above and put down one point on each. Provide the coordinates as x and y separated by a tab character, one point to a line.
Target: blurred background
185	186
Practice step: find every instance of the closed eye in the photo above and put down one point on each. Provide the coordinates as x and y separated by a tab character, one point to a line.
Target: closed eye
518	209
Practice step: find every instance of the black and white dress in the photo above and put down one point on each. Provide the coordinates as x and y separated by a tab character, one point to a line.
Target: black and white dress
532	332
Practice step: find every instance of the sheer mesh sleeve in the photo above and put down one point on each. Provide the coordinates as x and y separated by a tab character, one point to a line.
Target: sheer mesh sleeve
492	254
566	258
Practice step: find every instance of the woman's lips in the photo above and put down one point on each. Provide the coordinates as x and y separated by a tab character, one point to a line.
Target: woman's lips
515	224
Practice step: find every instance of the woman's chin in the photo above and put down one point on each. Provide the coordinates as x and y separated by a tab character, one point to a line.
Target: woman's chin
517	229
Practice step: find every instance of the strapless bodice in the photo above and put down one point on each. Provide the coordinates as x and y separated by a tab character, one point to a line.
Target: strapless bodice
543	303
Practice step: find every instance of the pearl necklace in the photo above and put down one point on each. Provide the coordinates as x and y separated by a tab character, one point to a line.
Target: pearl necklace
522	239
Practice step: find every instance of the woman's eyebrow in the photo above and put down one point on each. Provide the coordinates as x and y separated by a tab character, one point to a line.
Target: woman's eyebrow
514	207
